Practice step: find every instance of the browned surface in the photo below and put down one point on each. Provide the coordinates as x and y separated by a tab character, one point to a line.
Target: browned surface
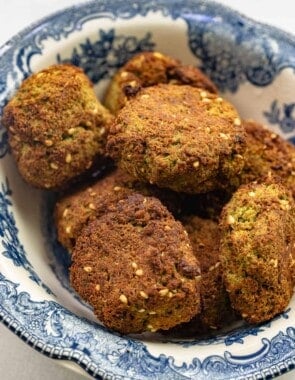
205	239
136	267
257	250
179	137
56	126
148	69
268	153
74	210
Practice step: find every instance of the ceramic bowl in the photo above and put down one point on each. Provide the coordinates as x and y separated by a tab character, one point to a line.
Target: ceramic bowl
253	66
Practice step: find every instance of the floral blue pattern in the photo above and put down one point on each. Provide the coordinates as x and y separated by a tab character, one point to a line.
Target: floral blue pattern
13	249
100	59
283	116
244	51
59	334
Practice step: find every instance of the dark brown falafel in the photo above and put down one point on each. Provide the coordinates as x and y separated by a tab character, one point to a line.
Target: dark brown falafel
74	210
136	267
257	250
179	137
267	154
56	126
205	239
148	69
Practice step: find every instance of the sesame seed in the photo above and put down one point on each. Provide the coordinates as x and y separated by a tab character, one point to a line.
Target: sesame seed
237	122
124	74
123	298
102	131
139	272
208	130
68	229
91	206
48	142
211	268
152	312
134	265
92	193
163	292
117	188
274	262
230	219
87	269
251	193
53	166
141	310
133	83
185	232
170	294
219	99
97	287
158	55
292	172
273	136
143	294
151	328
167	228
203	94
206	100
224	136
196	164
71	131
145	96
244	315
144	201
65	212
198	278
68	158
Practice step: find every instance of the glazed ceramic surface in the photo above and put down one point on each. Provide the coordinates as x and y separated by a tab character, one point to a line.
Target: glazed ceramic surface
253	66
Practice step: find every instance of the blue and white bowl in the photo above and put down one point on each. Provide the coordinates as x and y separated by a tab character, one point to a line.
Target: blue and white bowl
253	66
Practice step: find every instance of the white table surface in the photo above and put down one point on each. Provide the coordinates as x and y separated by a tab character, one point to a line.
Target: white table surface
17	360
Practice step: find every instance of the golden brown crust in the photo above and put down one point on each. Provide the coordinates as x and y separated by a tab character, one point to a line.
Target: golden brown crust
148	69
204	236
267	154
74	210
135	266
179	137
56	126
257	250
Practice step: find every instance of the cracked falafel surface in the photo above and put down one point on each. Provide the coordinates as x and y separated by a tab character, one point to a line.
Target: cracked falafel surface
257	249
56	126
136	267
148	69
178	137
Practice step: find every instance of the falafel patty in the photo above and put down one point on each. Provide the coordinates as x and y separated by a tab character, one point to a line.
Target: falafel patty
75	209
267	153
136	267
205	239
56	126
257	249
178	137
148	69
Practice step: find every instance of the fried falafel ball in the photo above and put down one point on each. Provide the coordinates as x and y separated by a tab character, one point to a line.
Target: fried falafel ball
148	69
204	236
76	209
178	137
257	249
56	126
135	266
267	153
